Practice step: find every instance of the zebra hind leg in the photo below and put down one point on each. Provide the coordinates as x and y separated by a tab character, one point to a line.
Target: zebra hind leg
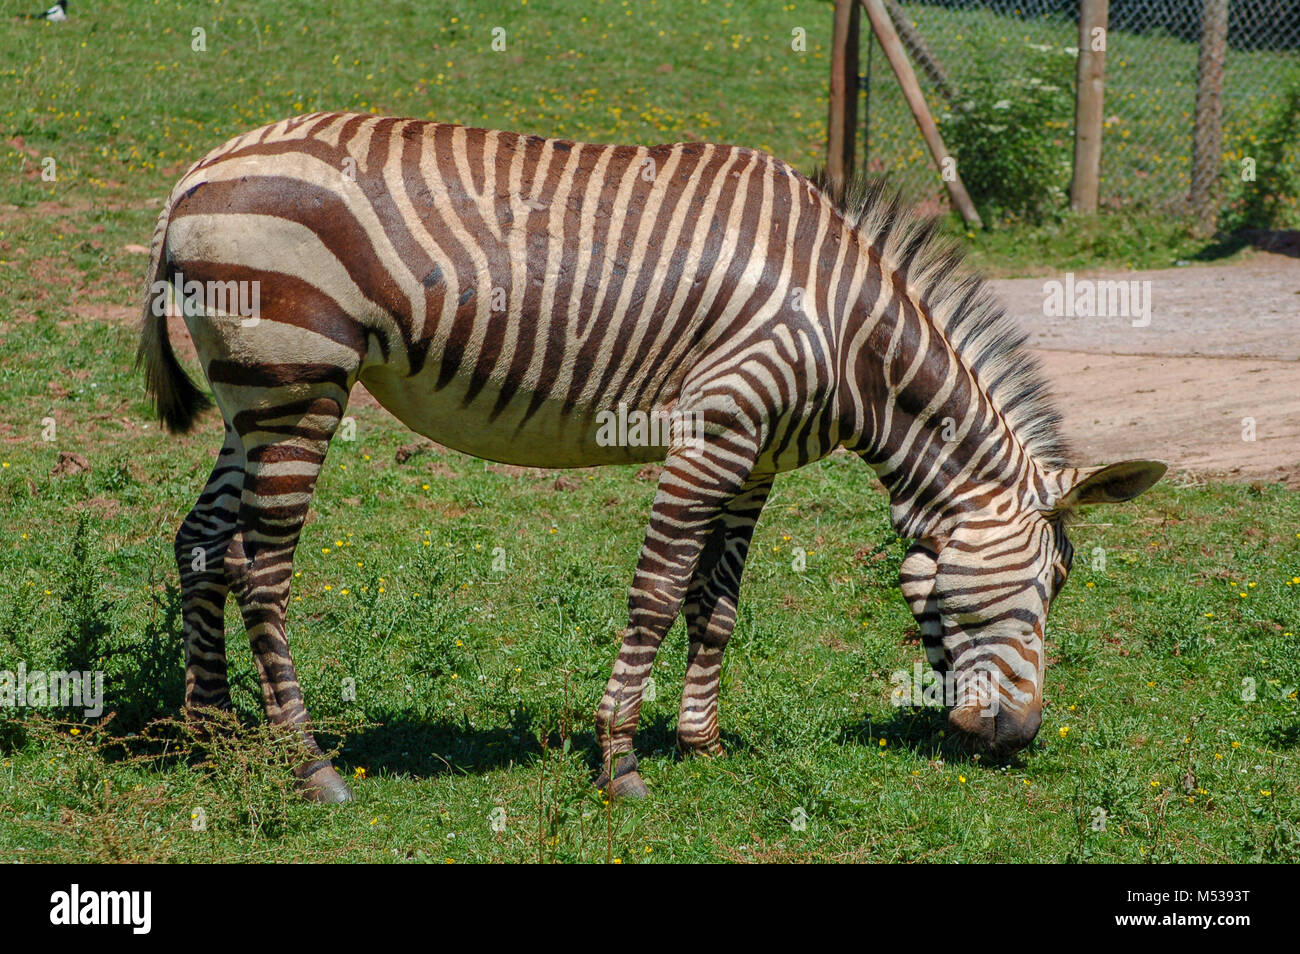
200	547
284	449
694	487
710	612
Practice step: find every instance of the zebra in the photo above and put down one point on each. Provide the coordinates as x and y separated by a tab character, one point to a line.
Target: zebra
500	292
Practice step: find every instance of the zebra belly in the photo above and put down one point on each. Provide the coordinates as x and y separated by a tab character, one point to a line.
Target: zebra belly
547	437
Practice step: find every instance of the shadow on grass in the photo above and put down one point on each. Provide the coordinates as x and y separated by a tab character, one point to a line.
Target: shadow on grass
417	748
414	748
1280	241
925	732
404	745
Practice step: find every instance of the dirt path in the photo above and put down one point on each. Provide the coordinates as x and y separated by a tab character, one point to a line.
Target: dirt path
1222	346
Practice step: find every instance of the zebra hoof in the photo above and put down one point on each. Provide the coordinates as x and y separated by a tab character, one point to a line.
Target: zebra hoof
324	785
713	750
627	781
629	786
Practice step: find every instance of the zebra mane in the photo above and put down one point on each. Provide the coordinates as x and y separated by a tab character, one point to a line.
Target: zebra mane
961	307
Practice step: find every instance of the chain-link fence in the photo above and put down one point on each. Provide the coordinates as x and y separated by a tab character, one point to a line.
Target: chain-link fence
1020	54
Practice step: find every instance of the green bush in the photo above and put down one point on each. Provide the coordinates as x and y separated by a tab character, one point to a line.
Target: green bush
1010	130
1271	200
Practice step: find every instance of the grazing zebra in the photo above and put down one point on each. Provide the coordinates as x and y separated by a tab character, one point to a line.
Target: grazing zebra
504	294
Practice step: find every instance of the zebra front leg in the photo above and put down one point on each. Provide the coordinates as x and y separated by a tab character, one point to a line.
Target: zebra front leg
284	448
692	489
200	548
710	612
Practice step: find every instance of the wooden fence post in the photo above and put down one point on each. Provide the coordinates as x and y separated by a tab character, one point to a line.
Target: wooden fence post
943	160
1207	146
841	127
1090	85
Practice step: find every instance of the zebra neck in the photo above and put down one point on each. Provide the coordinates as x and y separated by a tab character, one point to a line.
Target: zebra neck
929	496
917	413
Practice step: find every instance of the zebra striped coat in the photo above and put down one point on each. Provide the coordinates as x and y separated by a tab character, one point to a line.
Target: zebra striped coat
513	297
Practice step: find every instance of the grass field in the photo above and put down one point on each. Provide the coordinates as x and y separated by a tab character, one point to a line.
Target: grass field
475	608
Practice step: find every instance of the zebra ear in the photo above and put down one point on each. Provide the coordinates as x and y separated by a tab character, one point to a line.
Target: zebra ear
1113	483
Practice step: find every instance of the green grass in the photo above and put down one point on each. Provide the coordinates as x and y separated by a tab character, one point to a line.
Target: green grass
474	689
1135	240
122	103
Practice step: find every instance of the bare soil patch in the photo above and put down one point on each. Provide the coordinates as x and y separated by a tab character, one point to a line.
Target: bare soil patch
1222	348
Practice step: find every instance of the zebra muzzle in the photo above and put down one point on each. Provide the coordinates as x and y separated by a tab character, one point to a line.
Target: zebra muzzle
997	733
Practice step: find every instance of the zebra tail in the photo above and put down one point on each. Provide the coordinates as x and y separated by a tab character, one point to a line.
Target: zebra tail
175	396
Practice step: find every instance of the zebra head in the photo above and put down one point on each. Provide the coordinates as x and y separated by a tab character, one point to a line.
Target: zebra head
981	595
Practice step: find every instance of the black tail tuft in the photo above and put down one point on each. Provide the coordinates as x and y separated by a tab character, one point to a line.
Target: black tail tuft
176	397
